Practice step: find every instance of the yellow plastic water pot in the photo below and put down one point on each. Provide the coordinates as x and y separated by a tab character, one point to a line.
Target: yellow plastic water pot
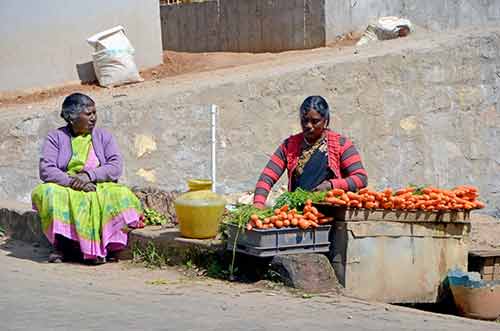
199	213
199	184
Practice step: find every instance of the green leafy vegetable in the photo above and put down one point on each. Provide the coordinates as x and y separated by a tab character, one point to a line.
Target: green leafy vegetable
298	198
152	217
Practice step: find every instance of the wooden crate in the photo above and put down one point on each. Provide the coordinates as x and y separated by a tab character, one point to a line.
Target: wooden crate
486	262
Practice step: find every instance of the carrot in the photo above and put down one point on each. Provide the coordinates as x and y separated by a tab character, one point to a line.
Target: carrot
267	220
336	201
337	191
468	206
283	215
277	211
278	224
314	210
290	216
427	190
369	198
309	202
307	209
249	227
405	195
363	191
387	205
303	224
388	192
325	220
479	204
254	217
274	219
353	203
340	202
401	191
369	204
294	222
311	216
284	208
398	200
353	196
344	197
440	207
258	224
433	195
286	223
313	224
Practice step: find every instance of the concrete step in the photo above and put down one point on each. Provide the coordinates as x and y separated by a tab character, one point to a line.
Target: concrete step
21	222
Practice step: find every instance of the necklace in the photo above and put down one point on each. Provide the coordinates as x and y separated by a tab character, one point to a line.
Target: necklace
310	144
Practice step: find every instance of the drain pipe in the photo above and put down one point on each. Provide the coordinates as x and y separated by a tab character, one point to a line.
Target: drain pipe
214	145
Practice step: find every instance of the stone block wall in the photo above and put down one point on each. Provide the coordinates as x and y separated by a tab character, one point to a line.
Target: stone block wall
421	111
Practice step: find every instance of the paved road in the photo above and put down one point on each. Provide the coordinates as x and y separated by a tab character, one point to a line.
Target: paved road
35	295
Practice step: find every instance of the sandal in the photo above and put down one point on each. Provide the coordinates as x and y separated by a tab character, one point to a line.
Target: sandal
55	257
96	261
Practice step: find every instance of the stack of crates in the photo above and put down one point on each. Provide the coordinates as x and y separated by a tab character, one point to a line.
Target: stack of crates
272	242
486	262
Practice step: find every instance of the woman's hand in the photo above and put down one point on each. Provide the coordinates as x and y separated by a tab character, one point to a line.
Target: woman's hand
259	206
90	187
79	181
324	186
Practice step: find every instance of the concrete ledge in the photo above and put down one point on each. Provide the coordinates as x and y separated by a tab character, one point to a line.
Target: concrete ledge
169	242
21	222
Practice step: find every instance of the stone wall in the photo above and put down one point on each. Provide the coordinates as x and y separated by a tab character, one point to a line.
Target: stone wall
421	110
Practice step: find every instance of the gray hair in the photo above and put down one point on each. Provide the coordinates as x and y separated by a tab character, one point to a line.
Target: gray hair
74	104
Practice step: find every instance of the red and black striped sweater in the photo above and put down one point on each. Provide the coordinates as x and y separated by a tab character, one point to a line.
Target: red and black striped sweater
343	159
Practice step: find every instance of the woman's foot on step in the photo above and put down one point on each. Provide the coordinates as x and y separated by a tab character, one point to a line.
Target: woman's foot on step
56	257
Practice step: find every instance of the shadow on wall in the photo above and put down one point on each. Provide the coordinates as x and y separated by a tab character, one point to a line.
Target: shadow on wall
86	72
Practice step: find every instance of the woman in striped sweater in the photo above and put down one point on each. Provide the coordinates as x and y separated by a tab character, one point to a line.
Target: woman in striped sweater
316	159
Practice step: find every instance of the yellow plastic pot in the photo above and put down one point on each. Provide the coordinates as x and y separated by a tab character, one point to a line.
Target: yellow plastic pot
199	184
199	213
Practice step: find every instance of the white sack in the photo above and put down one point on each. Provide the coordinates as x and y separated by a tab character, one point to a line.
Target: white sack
114	58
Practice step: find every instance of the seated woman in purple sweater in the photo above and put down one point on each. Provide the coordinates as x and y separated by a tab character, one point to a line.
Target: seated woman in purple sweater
80	199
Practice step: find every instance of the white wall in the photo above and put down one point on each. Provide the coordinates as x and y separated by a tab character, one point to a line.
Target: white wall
43	41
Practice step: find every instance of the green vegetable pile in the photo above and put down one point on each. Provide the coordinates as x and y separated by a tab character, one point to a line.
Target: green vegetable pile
298	198
242	213
152	217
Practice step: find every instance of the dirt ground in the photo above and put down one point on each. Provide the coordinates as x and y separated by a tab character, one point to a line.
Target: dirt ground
174	64
123	296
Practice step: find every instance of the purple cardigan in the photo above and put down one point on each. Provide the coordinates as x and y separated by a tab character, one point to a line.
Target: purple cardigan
57	152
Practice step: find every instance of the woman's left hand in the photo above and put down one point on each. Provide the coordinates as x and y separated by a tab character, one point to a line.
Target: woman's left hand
79	181
324	186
